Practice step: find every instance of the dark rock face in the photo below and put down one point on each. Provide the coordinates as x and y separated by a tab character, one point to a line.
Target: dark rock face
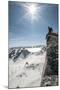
50	77
52	54
17	87
15	54
52	63
25	52
11	54
51	80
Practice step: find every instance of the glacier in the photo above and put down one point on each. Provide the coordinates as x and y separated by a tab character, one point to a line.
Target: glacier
27	69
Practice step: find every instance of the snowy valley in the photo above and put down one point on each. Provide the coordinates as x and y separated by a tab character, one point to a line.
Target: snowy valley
26	66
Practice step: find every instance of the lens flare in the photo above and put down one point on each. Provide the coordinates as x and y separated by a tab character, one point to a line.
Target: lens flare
32	9
32	12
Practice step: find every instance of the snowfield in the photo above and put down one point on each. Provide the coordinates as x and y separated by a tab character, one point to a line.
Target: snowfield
26	71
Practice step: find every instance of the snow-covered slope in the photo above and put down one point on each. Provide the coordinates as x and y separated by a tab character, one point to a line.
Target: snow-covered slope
26	71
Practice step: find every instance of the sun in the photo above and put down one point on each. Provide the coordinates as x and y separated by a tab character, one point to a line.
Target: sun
32	9
32	12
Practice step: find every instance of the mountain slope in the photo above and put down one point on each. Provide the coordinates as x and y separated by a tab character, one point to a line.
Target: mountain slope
27	71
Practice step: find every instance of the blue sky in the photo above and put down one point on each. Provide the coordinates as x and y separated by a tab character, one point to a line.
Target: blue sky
25	32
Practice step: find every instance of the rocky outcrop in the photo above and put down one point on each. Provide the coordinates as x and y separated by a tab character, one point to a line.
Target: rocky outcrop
49	80
50	77
52	52
15	54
